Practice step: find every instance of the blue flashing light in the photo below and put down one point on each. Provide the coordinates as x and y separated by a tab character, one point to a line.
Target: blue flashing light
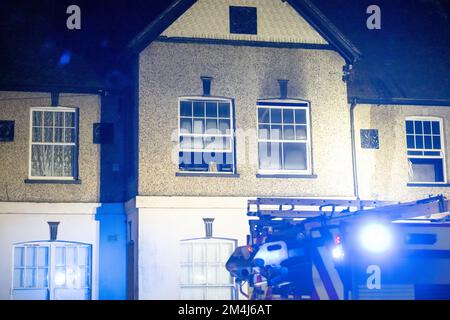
376	238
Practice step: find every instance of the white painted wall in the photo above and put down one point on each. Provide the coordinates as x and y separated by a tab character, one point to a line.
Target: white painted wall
22	222
165	221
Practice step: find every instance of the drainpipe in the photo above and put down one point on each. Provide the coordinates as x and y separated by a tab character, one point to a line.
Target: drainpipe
352	133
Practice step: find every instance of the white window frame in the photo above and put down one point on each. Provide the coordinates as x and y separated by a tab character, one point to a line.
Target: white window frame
231	135
51	267
442	150
75	144
278	105
232	286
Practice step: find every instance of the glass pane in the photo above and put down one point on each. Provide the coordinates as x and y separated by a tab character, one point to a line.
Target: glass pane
30	257
289	133
213	252
419	142
301	133
59	119
264	131
410	127
269	155
198	274
59	133
224	110
275	115
58	157
426	127
211	109
186	108
70	135
70	119
288	116
42	278
42	256
216	143
418	127
223	276
60	276
263	115
436	142
37	135
426	170
70	256
18	278
60	256
199	126
19	256
83	256
186	143
275	132
68	160
219	293
199	109
410	141
300	116
186	125
226	249
185	277
48	134
427	140
37	118
193	293
295	156
211	126
211	275
48	119
198	252
436	127
84	277
198	143
41	160
30	277
224	126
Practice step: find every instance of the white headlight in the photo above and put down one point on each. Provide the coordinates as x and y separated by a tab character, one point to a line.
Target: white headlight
375	238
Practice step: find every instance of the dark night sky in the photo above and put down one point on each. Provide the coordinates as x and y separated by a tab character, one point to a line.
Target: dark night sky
408	57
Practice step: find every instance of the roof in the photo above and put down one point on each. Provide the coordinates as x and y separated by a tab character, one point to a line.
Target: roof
407	61
304	7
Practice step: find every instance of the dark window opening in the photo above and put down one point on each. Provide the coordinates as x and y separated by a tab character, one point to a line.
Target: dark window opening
243	20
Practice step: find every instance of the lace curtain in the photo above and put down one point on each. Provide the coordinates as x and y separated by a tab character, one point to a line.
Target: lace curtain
53	144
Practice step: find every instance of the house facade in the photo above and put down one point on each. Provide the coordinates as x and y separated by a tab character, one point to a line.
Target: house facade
245	99
143	194
57	237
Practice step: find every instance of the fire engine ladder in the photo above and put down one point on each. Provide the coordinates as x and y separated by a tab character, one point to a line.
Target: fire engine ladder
310	210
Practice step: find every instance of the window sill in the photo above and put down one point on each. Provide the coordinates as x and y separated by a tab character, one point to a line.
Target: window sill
207	174
44	181
434	185
286	176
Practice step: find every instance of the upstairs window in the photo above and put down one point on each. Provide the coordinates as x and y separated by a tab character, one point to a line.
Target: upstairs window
53	143
206	135
243	20
425	150
284	137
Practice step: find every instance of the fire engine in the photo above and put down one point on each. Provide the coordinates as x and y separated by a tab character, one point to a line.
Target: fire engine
345	249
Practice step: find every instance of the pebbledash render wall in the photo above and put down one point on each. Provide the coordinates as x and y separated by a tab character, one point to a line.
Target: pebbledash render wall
171	70
383	172
14	156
